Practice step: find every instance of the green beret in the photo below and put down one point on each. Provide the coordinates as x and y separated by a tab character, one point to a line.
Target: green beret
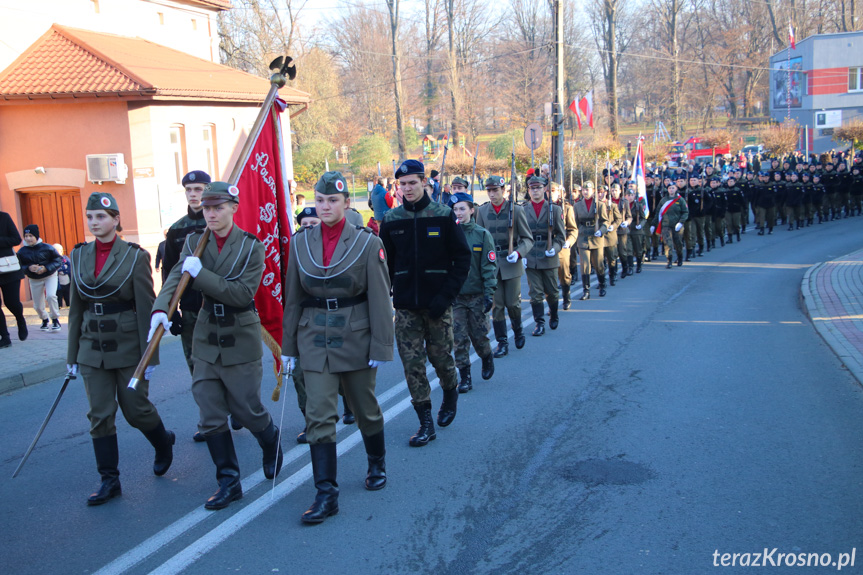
537	180
332	183
460	182
216	193
102	201
494	182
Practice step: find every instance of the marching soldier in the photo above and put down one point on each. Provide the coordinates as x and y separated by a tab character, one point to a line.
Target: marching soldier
613	220
794	195
696	213
428	262
564	272
736	202
668	222
476	297
856	195
636	227
543	259
624	246
226	348
338	323
720	208
592	219
110	297
494	216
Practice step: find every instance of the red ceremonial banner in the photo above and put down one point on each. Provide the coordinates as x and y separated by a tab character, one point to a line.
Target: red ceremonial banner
263	211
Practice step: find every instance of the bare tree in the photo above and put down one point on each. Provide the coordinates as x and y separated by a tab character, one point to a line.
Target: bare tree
393	6
612	40
433	34
455	91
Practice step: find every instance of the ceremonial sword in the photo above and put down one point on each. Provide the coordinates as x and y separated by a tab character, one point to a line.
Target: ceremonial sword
69	376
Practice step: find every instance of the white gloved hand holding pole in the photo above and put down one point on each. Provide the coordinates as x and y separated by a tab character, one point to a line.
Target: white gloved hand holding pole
678	227
512	258
192	265
157	319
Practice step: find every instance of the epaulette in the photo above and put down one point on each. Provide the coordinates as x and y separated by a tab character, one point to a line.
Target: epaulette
133	245
484	203
78	245
250	235
301	230
197	231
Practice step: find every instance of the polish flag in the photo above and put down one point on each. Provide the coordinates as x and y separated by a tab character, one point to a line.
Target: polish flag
574	110
586	107
791	36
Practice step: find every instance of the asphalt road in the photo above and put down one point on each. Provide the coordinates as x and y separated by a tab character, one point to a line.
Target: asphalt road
693	410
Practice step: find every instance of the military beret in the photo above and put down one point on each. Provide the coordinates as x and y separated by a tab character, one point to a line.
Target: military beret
332	183
460	197
434	173
102	201
806	175
537	180
816	175
196	177
216	193
764	173
309	212
460	182
494	182
413	167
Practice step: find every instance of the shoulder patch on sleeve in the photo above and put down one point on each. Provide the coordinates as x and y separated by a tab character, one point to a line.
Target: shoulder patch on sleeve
382	255
491	256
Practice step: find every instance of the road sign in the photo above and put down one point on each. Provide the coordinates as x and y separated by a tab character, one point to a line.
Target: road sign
533	136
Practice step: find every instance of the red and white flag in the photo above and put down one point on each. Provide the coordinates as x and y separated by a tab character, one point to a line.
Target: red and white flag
638	175
574	109
586	107
791	36
264	212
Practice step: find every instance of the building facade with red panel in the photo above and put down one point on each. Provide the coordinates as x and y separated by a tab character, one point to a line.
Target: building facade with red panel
819	84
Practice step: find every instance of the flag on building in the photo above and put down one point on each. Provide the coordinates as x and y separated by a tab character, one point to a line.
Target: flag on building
263	211
638	176
586	107
791	36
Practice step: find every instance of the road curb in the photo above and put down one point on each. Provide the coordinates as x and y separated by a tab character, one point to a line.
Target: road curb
31	377
811	305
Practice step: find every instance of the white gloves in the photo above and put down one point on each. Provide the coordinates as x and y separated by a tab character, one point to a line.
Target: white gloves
512	258
678	227
549	253
157	319
148	373
566	245
652	229
597	233
71	369
637	226
373	363
624	225
288	363
192	265
610	228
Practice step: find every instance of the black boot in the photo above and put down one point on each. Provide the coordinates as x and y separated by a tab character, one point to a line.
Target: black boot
760	231
722	241
612	273
638	267
730	239
163	441
348	416
426	431
668	264
679	259
630	265
538	319
738	236
376	478
585	283
687	254
487	367
268	439
700	252
448	407
709	242
567	298
770	231
221	446
465	384
107	458
517	330
22	327
324	466
553	319
601	278
500	335
655	252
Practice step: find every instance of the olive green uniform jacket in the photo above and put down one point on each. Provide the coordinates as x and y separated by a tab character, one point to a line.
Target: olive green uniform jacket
482	277
498	226
586	220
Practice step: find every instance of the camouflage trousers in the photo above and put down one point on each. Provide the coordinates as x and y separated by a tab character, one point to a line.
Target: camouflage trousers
671	238
418	337
470	326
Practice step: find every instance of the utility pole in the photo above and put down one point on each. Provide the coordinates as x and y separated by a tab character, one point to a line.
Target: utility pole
557	152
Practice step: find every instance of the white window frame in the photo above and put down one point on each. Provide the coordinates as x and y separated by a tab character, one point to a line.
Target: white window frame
859	75
178	151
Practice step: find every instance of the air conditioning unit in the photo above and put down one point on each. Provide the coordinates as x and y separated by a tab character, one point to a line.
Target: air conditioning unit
107	168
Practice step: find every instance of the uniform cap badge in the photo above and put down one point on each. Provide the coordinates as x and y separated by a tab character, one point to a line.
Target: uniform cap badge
234	191
105	202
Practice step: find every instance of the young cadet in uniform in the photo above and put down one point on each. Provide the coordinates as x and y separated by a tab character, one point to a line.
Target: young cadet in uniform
794	192
624	247
668	222
428	262
636	230
613	220
564	272
476	298
110	297
227	339
494	216
735	202
338	322
542	259
696	214
591	243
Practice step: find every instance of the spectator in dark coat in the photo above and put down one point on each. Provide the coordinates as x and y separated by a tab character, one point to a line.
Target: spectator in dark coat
40	262
379	199
10	279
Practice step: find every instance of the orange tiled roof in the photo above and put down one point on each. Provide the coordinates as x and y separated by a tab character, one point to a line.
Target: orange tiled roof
72	63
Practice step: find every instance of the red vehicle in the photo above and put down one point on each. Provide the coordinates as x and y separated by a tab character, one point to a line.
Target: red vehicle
676	154
696	149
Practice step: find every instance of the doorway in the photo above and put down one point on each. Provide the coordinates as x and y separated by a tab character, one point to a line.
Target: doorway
58	214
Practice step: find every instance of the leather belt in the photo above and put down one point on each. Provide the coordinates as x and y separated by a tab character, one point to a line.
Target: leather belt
333	303
221	310
104	308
